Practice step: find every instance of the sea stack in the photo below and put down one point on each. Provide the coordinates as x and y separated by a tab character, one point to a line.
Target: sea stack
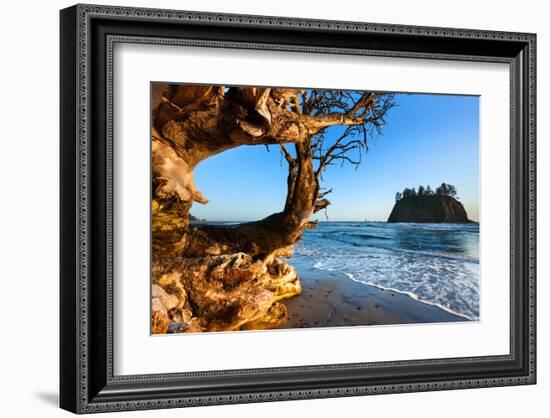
429	209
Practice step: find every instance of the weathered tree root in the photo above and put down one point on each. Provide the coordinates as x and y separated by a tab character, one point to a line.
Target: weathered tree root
223	293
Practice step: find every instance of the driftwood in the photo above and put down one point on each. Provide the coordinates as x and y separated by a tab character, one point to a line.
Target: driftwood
220	278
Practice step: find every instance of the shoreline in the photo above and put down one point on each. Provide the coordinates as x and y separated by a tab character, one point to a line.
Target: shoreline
332	299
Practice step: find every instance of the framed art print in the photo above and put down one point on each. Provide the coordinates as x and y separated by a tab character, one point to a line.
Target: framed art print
257	208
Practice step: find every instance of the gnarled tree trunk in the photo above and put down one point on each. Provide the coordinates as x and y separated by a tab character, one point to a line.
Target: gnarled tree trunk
226	278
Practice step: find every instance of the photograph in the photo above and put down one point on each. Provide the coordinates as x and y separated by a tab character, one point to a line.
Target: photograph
300	207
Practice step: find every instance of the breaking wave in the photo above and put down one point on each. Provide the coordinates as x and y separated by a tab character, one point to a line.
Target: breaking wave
437	264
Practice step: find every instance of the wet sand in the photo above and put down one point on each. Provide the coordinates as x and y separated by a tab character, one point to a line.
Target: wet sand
331	299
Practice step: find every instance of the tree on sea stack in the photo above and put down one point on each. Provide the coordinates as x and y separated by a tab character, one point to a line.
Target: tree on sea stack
212	278
427	207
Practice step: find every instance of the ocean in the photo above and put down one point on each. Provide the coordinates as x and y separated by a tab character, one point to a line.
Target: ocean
437	264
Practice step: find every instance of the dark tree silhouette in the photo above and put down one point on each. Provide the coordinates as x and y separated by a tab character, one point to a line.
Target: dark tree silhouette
451	190
443	190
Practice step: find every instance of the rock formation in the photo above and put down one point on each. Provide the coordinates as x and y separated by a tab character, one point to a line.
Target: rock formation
429	209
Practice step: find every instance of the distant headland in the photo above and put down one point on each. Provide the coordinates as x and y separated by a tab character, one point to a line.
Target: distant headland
195	219
428	206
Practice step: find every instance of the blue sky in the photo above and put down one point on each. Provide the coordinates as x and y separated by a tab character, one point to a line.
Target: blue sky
429	139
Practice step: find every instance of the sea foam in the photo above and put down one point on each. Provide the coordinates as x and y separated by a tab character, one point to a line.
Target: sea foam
437	264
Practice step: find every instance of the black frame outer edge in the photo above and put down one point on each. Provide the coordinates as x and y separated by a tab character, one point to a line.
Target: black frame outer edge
68	210
102	392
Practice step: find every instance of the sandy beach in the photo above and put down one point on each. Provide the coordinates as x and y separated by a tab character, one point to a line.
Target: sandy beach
331	299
